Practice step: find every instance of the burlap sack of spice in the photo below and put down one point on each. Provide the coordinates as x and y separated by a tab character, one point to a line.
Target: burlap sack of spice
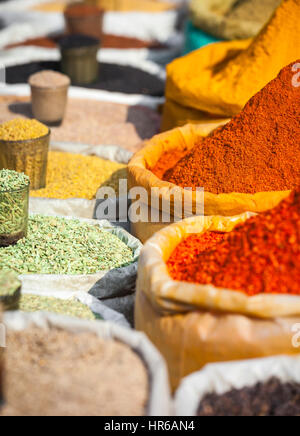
219	79
118	297
220	378
217	17
192	324
159	396
184	138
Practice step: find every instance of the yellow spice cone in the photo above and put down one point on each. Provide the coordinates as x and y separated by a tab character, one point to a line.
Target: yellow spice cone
220	78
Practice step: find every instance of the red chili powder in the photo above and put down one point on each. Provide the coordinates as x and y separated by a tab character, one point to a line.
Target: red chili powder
257	151
107	41
259	256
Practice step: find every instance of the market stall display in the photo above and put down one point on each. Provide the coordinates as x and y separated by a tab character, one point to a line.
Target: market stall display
216	200
14	197
218	80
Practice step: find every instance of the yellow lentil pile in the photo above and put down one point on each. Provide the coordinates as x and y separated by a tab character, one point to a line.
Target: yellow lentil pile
20	130
76	176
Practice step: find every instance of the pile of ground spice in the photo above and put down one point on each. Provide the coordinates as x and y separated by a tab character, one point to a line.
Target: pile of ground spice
49	79
272	398
107	41
76	176
260	256
108	123
56	373
257	151
112	77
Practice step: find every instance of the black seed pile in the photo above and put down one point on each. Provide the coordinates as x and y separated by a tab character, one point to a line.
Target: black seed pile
272	398
78	41
112	78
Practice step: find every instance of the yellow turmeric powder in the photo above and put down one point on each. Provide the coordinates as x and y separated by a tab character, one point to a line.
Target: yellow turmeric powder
76	176
219	79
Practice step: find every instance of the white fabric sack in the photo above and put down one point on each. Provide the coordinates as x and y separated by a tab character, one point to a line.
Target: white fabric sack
92	94
223	377
159	399
23	25
142	25
98	308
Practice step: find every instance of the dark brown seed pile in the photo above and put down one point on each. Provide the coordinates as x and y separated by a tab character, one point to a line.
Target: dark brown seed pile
112	77
272	398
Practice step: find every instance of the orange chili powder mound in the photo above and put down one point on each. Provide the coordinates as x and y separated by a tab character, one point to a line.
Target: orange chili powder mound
259	256
258	151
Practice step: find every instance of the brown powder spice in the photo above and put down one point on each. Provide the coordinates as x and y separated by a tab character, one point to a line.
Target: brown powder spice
56	373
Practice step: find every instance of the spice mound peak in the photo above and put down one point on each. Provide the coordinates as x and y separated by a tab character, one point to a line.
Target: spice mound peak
257	151
259	256
12	181
21	130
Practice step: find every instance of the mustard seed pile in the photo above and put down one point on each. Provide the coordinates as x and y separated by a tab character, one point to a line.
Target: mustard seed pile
56	245
71	307
56	373
21	130
76	176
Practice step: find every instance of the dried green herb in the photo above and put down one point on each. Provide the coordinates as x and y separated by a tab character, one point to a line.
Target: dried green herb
13	202
56	245
10	289
71	307
9	282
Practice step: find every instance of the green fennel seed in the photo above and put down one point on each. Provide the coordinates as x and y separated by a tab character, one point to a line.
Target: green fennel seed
13	202
70	307
56	245
9	283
